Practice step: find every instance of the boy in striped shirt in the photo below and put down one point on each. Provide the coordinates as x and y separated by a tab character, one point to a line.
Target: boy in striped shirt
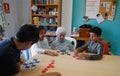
93	49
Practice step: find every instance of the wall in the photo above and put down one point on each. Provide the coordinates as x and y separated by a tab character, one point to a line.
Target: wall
111	29
12	18
26	11
67	15
19	14
0	1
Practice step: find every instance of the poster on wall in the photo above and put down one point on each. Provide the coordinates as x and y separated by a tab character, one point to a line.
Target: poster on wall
108	8
92	8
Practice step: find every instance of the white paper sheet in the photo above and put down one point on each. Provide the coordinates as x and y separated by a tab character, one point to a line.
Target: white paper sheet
92	8
99	18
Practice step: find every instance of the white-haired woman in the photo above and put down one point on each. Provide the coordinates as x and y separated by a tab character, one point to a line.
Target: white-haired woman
61	43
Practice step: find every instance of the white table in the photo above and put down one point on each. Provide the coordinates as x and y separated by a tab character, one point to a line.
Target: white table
69	66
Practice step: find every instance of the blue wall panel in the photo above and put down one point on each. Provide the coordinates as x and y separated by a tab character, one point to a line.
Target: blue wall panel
111	29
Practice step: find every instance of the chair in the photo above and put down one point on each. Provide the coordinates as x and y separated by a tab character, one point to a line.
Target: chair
106	47
72	40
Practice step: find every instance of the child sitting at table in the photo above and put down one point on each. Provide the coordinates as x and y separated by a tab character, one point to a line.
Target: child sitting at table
93	46
42	45
61	43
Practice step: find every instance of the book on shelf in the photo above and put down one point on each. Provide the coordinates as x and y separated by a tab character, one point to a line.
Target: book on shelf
48	14
55	1
48	21
46	1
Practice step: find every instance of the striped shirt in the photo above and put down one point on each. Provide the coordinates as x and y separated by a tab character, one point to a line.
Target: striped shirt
92	47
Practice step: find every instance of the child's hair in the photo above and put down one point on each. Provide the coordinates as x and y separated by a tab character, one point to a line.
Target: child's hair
27	32
40	27
96	30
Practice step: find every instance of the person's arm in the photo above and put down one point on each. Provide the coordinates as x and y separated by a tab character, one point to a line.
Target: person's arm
51	74
46	74
9	64
97	56
51	53
18	74
81	49
36	49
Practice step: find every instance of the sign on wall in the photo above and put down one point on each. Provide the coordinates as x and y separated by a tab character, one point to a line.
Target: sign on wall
105	7
6	7
92	8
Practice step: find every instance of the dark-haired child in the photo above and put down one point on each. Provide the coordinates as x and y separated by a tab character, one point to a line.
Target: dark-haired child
41	47
93	49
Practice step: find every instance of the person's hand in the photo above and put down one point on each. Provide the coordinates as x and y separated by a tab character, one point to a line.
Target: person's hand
51	74
51	53
19	64
76	52
82	55
56	48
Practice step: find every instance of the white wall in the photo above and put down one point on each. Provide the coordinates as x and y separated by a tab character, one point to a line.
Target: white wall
26	11
20	13
0	0
12	19
67	15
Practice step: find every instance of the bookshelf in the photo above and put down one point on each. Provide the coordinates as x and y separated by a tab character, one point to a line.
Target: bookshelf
48	14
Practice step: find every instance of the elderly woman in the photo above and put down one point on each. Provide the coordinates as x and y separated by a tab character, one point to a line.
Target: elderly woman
61	43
